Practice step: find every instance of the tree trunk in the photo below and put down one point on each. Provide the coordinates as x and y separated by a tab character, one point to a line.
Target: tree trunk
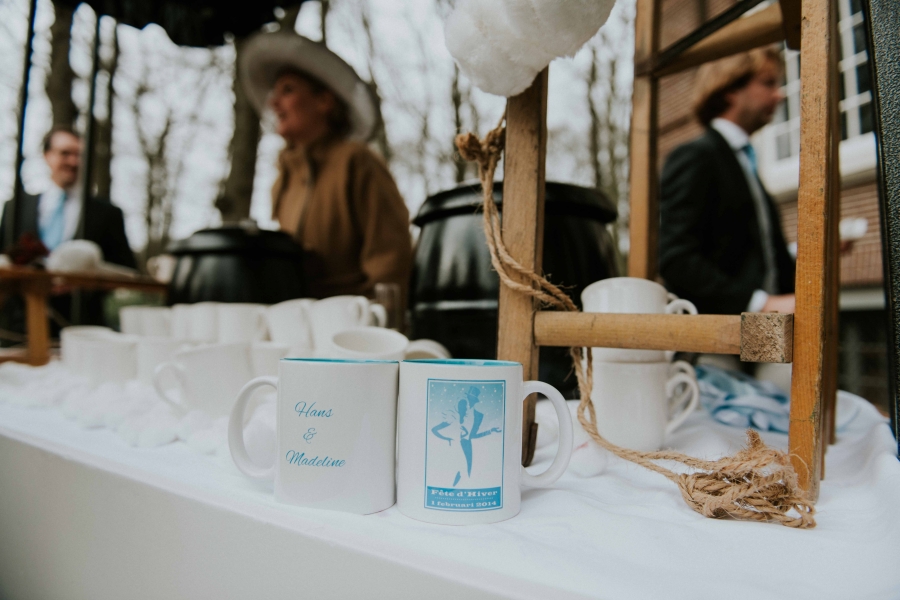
459	163
103	147
59	79
594	141
234	203
326	4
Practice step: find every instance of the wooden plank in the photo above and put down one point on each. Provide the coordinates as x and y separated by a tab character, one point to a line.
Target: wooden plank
84	281
759	29
767	337
523	233
829	423
643	178
36	293
718	334
816	249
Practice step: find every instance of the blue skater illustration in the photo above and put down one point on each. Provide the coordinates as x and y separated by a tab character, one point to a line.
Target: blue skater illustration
464	424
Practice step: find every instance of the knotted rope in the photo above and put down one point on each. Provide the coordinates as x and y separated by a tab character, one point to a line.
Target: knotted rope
757	483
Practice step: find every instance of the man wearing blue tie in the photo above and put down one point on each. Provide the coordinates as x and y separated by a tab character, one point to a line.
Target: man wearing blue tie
54	216
720	240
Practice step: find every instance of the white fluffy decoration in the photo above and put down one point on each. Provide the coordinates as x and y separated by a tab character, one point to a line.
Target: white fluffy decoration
501	45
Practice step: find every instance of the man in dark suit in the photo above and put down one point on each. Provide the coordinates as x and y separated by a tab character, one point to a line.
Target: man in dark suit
54	215
721	244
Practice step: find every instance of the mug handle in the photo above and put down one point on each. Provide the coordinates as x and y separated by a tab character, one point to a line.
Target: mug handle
261	331
680	305
681	366
178	370
379	312
564	452
239	453
426	348
692	403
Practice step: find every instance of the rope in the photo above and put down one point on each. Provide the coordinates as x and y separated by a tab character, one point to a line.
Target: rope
758	483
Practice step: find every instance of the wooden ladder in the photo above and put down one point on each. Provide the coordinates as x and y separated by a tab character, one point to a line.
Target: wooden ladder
809	337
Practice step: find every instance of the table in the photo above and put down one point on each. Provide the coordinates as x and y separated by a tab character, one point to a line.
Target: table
35	285
83	515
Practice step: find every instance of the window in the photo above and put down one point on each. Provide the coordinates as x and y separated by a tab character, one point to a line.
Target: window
855	86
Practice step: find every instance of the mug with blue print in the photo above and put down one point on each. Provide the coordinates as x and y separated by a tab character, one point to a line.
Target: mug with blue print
460	440
335	433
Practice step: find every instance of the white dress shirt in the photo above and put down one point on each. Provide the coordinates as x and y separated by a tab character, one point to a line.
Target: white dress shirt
738	139
48	203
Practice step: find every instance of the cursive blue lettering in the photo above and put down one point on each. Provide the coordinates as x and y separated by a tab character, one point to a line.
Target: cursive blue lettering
300	459
303	411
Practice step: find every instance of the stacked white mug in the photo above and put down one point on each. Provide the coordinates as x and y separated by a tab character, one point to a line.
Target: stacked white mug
635	393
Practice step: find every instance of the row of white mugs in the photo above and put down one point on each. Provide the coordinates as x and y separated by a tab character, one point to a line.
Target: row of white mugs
458	427
302	324
208	377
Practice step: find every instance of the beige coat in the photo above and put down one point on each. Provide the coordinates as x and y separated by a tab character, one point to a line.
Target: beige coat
341	204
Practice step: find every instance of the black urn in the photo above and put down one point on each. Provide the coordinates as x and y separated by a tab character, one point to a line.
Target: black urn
236	264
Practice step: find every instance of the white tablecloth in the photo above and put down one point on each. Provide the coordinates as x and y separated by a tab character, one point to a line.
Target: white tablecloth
607	529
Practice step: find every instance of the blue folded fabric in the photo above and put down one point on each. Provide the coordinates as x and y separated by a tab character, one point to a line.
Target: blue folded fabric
739	400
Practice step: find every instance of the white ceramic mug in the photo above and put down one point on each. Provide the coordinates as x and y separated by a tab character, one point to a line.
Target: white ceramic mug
460	440
109	359
637	404
152	352
632	295
288	323
181	322
383	344
70	338
204	322
264	356
241	322
146	320
130	320
330	315
206	377
336	433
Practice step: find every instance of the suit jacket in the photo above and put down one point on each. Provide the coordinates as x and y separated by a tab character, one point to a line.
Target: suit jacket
104	225
710	248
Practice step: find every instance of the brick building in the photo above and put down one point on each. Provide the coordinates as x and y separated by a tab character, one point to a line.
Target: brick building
863	362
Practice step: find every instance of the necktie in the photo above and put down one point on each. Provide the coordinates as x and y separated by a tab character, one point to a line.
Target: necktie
751	155
770	278
52	230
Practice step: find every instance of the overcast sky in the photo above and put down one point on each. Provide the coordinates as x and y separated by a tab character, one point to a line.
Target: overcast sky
412	67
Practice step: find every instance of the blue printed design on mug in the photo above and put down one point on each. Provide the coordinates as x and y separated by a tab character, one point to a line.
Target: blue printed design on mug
464	446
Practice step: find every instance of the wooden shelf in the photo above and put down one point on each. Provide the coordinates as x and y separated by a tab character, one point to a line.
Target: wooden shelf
36	285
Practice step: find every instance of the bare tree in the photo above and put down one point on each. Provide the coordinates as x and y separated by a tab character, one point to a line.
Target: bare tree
235	199
61	75
164	156
323	18
381	138
102	174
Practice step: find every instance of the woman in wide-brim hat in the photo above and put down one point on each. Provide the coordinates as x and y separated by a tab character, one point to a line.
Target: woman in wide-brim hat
333	194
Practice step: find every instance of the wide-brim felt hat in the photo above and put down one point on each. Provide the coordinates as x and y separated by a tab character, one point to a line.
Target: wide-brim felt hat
266	55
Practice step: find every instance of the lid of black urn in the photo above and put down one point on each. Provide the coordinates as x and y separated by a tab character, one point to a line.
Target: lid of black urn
561	198
236	240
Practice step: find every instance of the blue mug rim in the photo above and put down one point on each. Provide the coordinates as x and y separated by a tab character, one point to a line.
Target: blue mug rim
339	360
464	362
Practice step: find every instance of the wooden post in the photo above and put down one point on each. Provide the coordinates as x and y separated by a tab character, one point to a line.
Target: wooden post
817	256
523	233
36	292
644	216
829	424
